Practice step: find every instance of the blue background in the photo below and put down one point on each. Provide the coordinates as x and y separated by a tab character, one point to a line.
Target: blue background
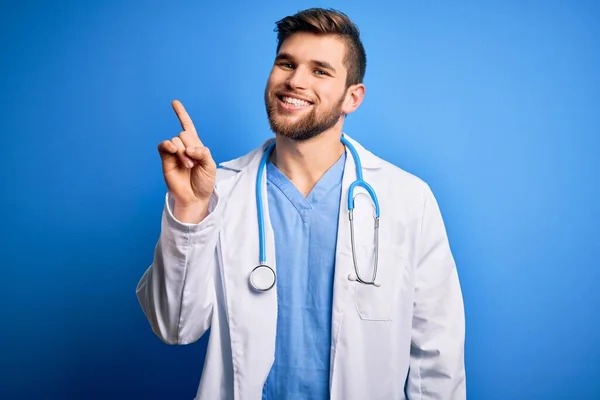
496	106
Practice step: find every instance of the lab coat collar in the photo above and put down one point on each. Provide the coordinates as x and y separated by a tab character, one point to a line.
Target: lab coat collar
368	159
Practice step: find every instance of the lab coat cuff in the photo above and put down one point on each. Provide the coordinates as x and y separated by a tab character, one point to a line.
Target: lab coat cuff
178	227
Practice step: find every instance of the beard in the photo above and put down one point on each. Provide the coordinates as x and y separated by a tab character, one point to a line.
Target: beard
307	127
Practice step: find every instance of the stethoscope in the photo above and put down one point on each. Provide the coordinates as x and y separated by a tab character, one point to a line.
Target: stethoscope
263	277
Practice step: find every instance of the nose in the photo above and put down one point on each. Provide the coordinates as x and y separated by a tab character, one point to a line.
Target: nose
297	79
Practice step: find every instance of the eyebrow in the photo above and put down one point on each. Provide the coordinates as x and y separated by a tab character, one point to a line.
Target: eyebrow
321	64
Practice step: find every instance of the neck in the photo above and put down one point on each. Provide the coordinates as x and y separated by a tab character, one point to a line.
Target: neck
304	163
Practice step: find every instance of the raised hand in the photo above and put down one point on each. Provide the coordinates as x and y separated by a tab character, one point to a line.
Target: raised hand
189	170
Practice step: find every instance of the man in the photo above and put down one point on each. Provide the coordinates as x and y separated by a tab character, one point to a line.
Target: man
349	311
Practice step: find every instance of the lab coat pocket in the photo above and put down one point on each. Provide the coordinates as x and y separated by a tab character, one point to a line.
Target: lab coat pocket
378	302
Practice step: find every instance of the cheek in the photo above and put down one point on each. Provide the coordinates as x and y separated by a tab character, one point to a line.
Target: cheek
332	95
276	78
270	81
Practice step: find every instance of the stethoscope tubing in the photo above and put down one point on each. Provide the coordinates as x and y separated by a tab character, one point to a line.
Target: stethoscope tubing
358	182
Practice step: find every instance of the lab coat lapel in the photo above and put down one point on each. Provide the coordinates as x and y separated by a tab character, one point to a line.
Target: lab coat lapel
341	284
252	316
344	267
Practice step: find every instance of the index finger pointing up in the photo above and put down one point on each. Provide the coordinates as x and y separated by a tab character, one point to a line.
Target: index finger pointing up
184	118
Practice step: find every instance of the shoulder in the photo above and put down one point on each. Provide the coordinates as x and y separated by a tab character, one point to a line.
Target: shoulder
224	173
387	176
404	194
228	171
399	180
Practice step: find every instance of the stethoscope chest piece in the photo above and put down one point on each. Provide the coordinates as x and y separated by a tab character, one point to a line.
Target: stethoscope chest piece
262	278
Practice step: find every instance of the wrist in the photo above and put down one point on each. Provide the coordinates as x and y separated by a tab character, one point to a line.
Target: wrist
193	213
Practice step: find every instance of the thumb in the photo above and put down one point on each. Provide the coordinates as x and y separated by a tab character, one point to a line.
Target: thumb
198	153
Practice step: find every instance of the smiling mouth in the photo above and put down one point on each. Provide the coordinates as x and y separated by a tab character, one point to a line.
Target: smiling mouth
293	101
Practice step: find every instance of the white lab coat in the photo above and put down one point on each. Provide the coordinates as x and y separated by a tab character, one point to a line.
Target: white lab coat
410	330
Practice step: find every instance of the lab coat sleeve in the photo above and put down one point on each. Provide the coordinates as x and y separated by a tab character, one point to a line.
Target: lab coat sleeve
177	291
437	347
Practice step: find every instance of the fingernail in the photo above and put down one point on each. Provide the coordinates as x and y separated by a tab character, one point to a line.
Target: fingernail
189	164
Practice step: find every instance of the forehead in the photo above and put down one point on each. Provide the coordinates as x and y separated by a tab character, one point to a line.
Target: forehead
307	47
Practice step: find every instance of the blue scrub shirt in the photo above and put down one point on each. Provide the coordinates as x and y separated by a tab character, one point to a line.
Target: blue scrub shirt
305	232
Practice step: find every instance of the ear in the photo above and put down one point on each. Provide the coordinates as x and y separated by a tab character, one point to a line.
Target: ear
354	97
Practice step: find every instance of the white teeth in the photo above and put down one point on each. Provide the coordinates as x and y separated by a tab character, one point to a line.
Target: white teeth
294	101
